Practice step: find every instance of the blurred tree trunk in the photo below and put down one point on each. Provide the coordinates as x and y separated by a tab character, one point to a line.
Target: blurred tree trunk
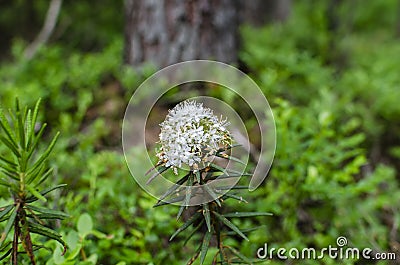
337	26
168	31
260	12
333	16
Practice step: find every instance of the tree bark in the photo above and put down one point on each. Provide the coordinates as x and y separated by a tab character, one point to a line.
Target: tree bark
169	31
261	12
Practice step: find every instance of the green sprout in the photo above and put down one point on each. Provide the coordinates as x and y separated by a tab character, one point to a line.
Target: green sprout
24	172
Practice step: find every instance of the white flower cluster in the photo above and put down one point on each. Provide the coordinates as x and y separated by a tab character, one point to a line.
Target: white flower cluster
190	135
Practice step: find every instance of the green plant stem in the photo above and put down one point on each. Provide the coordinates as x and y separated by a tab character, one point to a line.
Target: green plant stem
21	185
22	142
83	254
25	235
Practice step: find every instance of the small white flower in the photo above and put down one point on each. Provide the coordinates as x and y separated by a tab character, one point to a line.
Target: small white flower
191	134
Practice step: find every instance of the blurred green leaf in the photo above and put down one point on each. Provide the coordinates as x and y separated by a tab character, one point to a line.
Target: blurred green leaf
36	193
205	245
85	224
45	231
207	216
9	225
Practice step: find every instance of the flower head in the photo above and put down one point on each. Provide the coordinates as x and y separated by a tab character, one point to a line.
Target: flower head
191	135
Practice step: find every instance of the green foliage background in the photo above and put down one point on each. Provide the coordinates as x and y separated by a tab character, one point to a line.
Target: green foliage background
335	96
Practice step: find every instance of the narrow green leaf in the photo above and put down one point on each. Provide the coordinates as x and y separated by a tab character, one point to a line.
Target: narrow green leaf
174	187
7	129
44	192
98	234
10	146
198	177
10	170
20	126
9	174
233	196
212	194
247	214
207	216
45	231
6	254
218	168
3	248
228	157
173	200
159	171
36	193
4	183
57	216
158	165
227	172
8	162
247	230
36	112
42	216
205	246
51	214
11	114
181	209
188	191
32	118
225	176
231	188
39	172
45	154
230	225
32	147
186	225
240	255
187	197
228	148
29	129
8	227
6	210
193	232
23	162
